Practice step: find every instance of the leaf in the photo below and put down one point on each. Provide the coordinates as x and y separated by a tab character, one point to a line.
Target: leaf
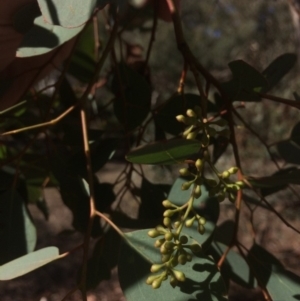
289	151
17	231
178	105
278	69
133	97
82	64
234	268
203	280
43	37
68	13
278	181
205	206
164	152
28	263
279	282
152	196
245	83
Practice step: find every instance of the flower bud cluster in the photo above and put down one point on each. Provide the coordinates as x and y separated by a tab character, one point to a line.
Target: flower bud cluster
224	187
197	124
173	249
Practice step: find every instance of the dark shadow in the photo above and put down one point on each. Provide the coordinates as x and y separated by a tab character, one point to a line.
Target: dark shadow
53	12
39	37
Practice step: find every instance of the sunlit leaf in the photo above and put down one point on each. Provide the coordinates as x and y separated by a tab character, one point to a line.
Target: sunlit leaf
28	263
164	152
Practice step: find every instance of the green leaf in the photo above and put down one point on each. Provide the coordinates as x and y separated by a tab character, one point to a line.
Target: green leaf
245	83
17	231
133	97
43	37
278	69
83	63
178	105
205	206
203	280
164	152
277	180
28	263
234	268
67	13
279	282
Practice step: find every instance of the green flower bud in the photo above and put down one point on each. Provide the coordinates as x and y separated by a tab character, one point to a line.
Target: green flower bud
177	224
159	242
181	118
183	239
233	170
182	259
167	204
156	283
150	279
179	275
192	135
199	164
169	213
191	113
188	130
169	245
202	221
156	267
184	172
167	222
201	229
197	191
186	185
225	174
168	236
189	222
161	229
153	233
163	250
240	183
